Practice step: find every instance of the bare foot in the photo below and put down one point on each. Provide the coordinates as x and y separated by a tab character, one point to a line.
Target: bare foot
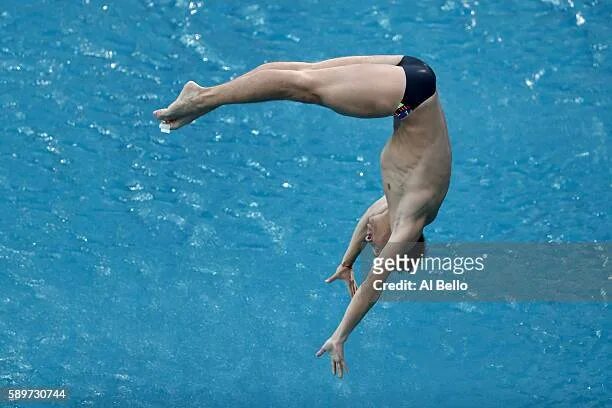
189	105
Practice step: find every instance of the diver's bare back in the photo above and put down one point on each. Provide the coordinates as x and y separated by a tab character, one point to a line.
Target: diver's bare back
416	162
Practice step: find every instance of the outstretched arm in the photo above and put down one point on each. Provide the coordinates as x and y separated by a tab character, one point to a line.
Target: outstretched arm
360	90
401	242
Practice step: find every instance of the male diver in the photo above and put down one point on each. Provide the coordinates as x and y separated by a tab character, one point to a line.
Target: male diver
415	162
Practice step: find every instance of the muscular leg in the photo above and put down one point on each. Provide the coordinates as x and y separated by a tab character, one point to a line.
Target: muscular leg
330	63
360	90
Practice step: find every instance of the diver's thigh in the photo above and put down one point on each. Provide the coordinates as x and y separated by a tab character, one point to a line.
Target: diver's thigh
357	59
360	90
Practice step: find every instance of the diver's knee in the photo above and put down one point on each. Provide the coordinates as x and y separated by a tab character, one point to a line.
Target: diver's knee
305	87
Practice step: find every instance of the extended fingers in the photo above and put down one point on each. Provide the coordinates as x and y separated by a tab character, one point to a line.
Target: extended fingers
339	368
350	288
353	288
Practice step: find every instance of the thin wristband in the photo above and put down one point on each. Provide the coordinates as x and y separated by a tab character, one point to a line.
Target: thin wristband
347	265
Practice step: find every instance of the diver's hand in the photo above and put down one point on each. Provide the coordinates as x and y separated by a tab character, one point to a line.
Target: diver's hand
346	274
335	348
190	104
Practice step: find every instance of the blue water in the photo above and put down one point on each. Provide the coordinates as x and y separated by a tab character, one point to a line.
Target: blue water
140	269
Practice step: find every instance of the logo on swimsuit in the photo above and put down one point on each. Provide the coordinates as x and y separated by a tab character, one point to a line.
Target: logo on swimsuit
402	111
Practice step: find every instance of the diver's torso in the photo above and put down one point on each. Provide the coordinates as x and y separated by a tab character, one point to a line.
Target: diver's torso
416	161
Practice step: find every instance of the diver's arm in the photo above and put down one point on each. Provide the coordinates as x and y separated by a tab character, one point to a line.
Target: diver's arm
357	242
344	271
399	243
